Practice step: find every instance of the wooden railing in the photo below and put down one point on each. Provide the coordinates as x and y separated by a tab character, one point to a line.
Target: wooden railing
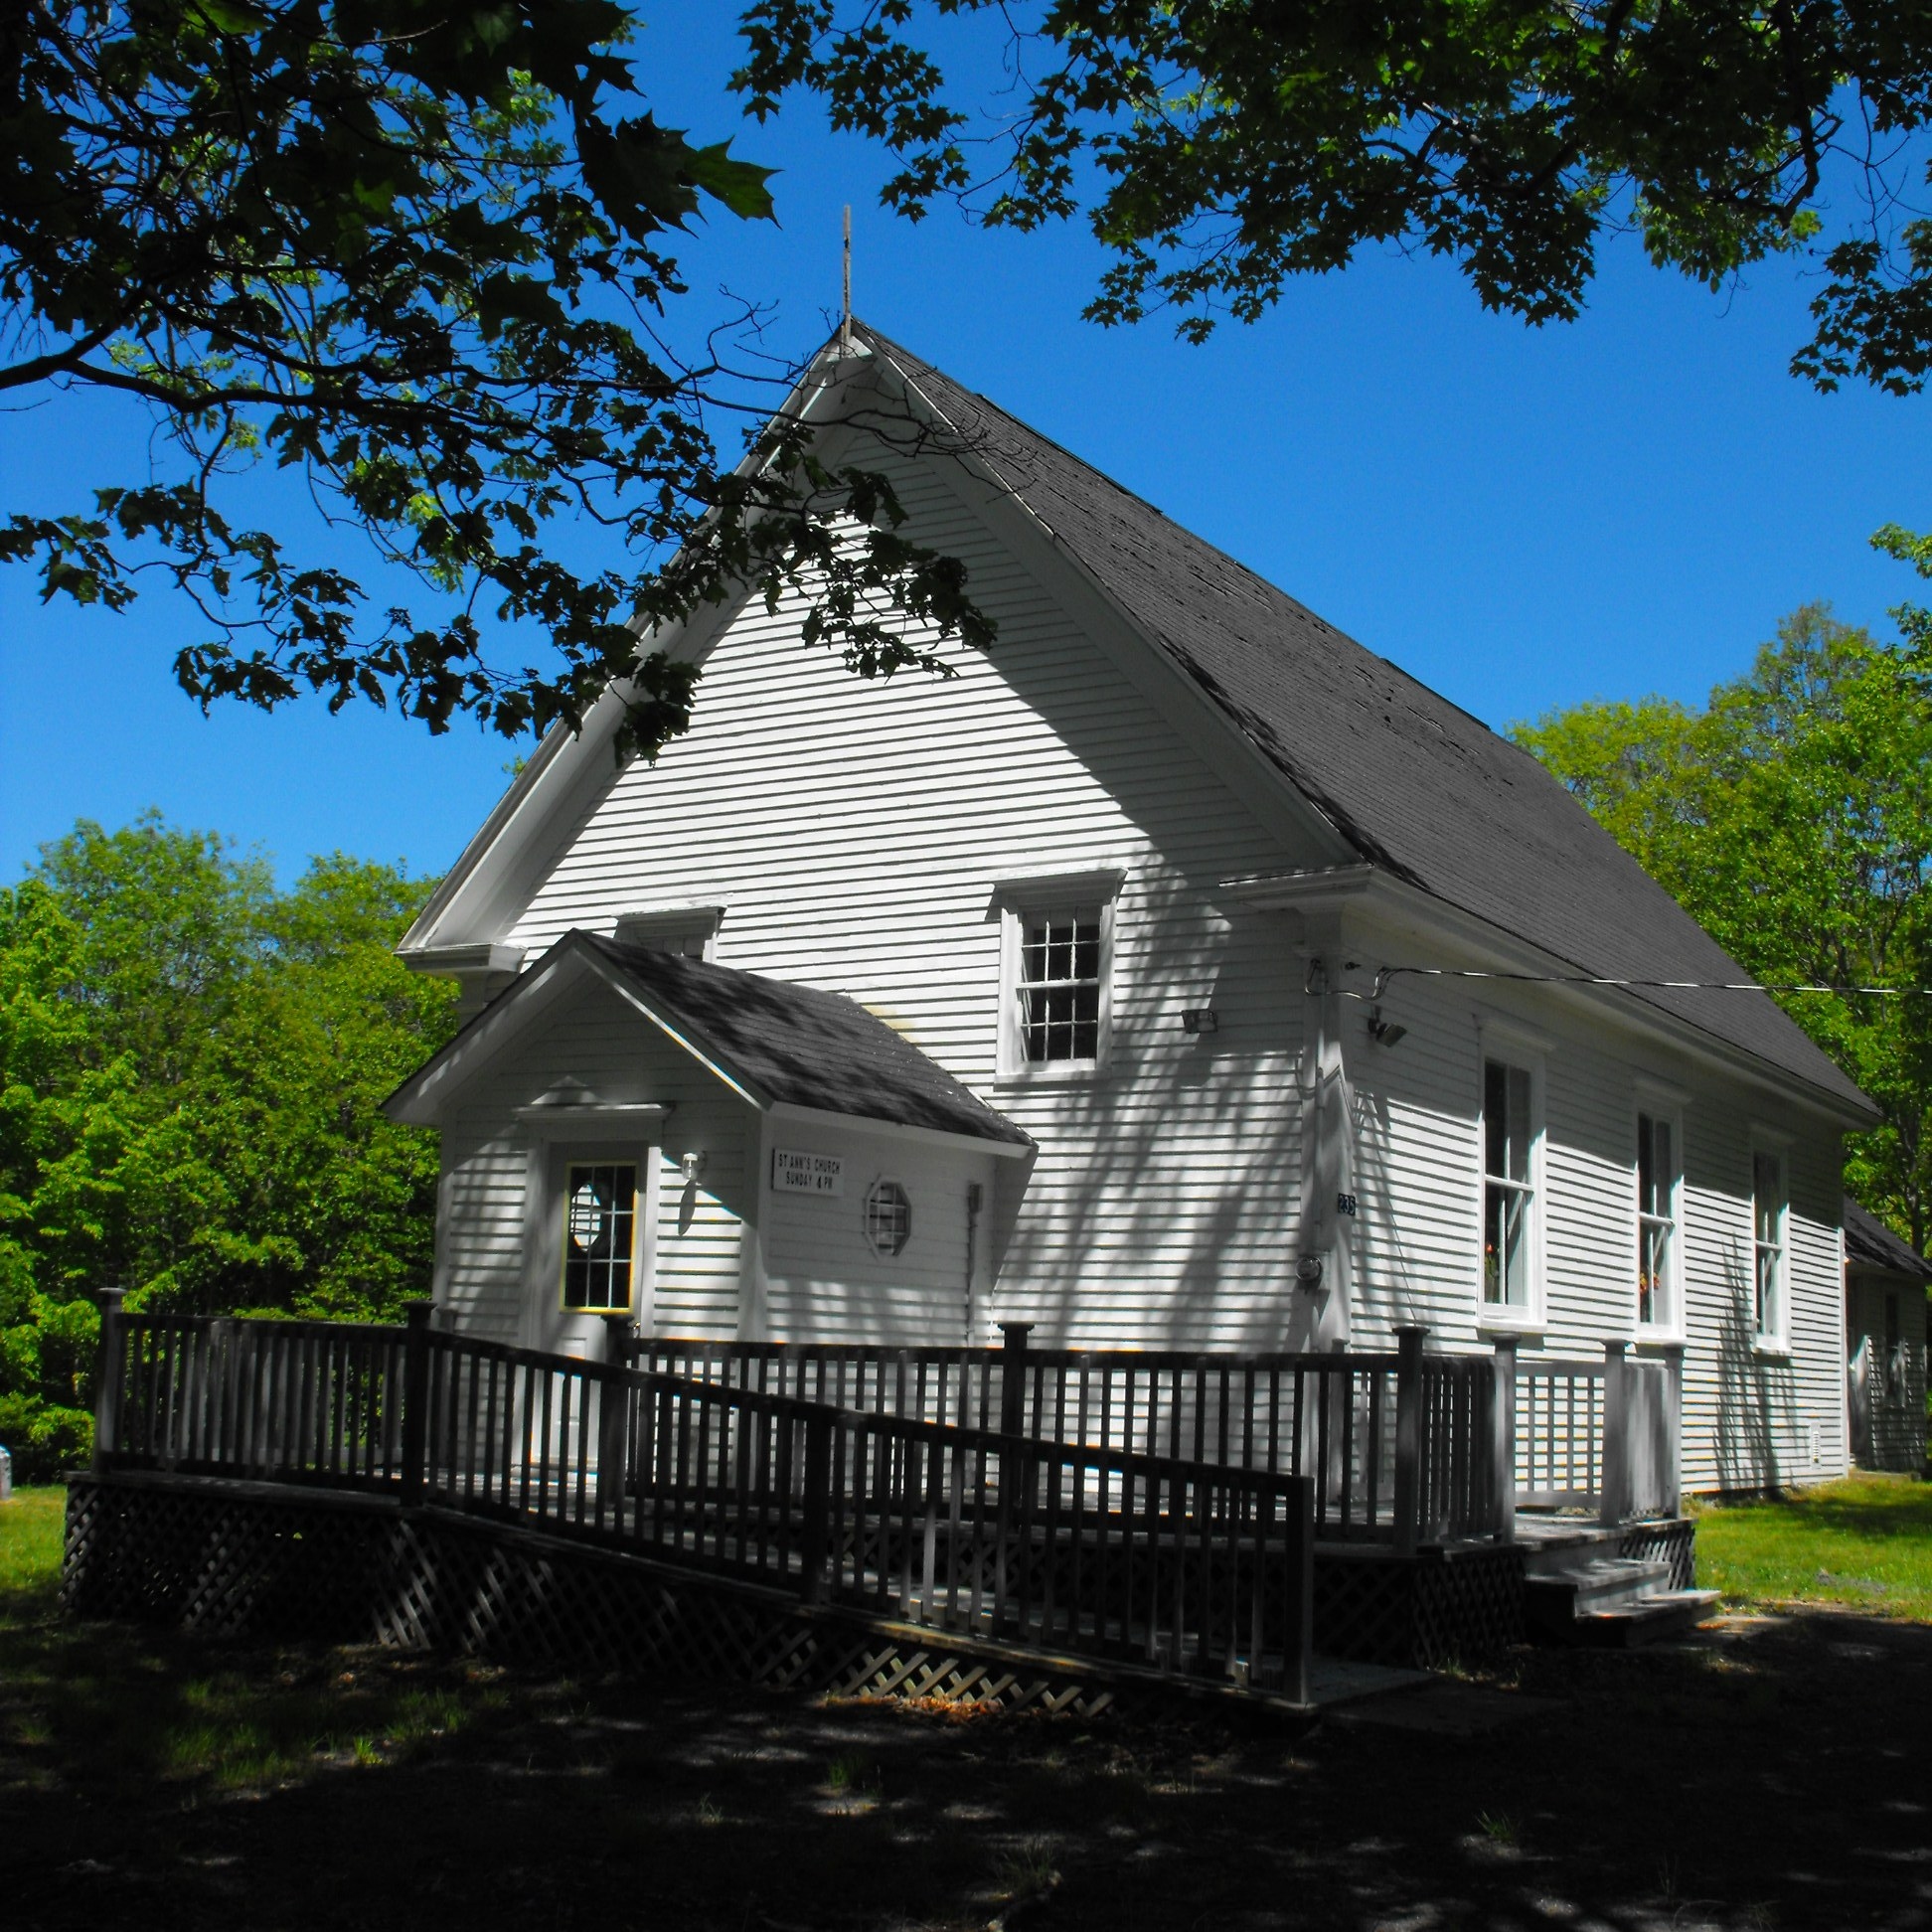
1558	1433
1100	1551
1335	1418
1602	1436
288	1401
1092	1550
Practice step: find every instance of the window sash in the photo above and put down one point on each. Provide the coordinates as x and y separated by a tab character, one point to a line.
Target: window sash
1508	1133
1768	1243
1657	1188
600	1236
1505	1244
1058	991
1656	1240
1509	1186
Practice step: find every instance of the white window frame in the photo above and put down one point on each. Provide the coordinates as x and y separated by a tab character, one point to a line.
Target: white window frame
1018	900
873	1189
572	1161
1523	1052
1775	1339
557	1145
1666	1112
671	928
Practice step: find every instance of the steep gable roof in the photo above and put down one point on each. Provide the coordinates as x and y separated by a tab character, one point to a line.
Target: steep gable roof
1413	783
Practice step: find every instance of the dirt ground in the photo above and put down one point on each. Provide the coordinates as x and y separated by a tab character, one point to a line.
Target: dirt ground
1772	1775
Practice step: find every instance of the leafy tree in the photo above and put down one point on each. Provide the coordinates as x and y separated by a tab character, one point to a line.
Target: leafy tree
415	252
1793	817
1220	146
189	1069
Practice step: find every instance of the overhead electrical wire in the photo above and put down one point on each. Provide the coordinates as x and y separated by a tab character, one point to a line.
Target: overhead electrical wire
1383	974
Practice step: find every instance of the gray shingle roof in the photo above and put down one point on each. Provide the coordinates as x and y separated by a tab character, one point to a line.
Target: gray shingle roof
1869	1243
1413	783
798	1047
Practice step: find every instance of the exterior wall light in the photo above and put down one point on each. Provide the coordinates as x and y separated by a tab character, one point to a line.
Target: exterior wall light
1200	1019
1308	1273
1384	1032
692	1166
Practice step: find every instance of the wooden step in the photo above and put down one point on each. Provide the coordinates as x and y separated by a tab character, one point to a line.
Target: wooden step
1591	1583
1669	1613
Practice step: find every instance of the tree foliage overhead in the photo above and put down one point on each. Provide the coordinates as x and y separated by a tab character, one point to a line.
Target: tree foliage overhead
191	1065
417	253
1792	816
1220	146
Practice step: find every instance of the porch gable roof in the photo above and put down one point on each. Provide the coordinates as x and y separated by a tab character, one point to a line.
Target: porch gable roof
777	1044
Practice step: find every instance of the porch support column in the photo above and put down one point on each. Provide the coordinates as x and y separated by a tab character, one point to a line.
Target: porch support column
1674	1428
1614	1504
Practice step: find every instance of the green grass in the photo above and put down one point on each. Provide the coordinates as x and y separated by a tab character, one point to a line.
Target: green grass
30	1552
112	1704
1865	1542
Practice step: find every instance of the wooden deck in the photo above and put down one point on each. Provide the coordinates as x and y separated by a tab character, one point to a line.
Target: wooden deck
1031	1498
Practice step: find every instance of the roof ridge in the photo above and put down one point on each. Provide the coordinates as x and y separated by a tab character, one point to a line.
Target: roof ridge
1191	536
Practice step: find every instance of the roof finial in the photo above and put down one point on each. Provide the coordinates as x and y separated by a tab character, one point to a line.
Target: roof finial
845	326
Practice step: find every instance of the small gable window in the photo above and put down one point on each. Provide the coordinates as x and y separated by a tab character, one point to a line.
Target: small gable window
889	1218
599	1235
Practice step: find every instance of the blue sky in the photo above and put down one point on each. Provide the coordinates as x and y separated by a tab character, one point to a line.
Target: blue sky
1521	518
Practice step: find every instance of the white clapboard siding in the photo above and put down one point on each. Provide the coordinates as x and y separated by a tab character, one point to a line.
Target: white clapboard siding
824	1279
1896	1397
1750	1419
609	1049
854	834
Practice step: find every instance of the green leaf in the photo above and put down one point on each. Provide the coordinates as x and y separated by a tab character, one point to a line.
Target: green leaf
740	185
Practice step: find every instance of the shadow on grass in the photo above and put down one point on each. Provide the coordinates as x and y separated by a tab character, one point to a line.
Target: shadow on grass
1763	1778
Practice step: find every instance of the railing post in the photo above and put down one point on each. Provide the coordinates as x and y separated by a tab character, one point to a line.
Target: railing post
1012	1376
1408	1439
1614	1503
1299	1637
815	1541
1503	1437
613	1406
416	1401
1674	1428
110	1374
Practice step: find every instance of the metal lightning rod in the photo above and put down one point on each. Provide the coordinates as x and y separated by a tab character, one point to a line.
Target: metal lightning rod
844	327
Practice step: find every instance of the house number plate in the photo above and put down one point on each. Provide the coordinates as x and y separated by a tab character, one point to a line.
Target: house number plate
817	1174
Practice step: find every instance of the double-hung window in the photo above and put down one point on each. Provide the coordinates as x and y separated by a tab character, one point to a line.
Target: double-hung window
1057	968
1059	986
1768	1217
1509	1186
1657	1221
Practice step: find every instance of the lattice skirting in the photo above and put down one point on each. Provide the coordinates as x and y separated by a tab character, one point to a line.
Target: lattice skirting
1423	1610
1674	1542
248	1559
